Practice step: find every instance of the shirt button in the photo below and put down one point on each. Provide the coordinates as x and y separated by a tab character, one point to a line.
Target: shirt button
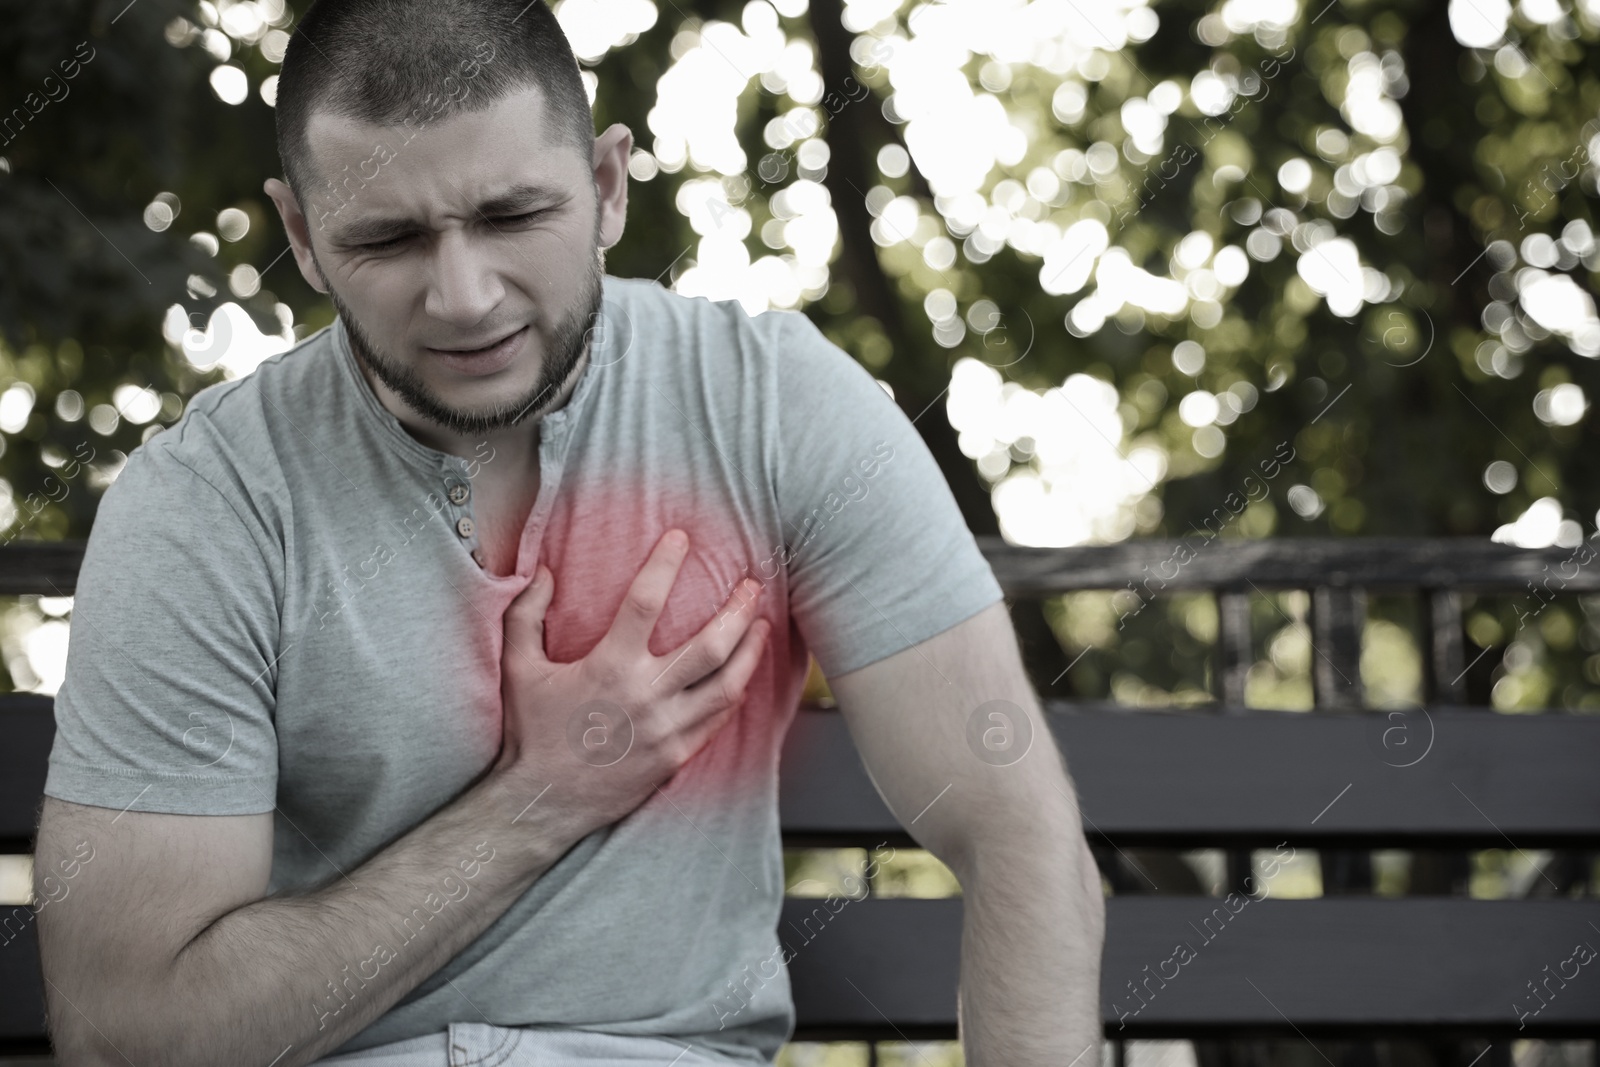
459	494
464	526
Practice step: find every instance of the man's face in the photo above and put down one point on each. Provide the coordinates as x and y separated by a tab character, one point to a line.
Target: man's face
463	255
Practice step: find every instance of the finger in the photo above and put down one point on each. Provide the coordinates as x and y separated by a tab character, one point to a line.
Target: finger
524	619
647	595
710	648
714	699
715	706
700	734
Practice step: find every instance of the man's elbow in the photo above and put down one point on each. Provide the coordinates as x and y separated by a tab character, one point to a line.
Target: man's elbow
76	1044
1049	868
1031	835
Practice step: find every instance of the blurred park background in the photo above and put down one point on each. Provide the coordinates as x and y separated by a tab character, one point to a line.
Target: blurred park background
1133	268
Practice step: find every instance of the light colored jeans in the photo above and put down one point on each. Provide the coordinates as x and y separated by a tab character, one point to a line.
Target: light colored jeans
486	1045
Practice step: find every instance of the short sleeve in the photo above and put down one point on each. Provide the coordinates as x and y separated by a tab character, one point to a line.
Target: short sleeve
880	558
167	704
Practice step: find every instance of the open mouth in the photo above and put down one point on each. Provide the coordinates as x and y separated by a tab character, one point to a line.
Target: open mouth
482	350
488	359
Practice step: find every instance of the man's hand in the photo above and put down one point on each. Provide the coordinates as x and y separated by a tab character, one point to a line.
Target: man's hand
603	732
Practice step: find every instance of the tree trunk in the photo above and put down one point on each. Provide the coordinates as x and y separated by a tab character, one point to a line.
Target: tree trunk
852	136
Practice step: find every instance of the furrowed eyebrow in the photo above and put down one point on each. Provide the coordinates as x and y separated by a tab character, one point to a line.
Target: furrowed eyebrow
518	198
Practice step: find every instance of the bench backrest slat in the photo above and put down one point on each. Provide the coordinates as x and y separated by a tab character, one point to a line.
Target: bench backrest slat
1470	564
1337	616
1191	779
1445	666
1333	966
1235	652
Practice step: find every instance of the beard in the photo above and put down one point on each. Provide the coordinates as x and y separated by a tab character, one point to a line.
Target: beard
561	358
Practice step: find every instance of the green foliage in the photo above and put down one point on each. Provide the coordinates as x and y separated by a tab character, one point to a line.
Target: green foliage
84	281
1394	411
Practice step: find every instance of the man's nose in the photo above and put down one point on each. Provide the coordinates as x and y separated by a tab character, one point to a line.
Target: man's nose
464	283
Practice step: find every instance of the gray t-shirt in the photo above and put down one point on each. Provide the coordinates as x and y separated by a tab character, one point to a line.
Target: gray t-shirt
280	609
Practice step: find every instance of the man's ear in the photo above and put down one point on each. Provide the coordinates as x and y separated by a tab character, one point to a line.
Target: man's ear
611	151
294	224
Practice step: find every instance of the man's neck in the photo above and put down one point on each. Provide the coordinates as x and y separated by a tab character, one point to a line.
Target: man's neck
519	443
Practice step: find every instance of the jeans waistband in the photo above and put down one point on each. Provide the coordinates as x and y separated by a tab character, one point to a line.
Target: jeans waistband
487	1045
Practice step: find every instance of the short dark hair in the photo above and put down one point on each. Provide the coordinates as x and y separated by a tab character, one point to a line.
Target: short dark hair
389	61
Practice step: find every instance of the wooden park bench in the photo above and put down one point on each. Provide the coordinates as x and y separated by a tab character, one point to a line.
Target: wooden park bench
1349	965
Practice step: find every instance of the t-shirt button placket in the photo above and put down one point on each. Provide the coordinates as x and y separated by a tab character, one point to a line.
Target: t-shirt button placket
459	492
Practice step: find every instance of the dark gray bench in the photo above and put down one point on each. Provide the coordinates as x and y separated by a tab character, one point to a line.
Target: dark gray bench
1349	965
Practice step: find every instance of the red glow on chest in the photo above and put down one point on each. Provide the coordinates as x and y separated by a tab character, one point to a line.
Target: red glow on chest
596	543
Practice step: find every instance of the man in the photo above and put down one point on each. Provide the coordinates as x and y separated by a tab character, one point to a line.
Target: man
426	685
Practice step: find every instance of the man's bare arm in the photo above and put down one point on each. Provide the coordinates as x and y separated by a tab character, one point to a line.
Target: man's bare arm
161	949
285	977
1007	827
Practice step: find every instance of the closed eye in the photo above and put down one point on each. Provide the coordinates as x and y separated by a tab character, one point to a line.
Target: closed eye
497	223
381	246
516	220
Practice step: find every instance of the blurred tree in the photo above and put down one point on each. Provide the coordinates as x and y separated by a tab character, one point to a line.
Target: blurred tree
1118	261
110	136
1126	265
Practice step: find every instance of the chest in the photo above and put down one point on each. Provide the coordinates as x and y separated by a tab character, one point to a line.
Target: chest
395	627
502	501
